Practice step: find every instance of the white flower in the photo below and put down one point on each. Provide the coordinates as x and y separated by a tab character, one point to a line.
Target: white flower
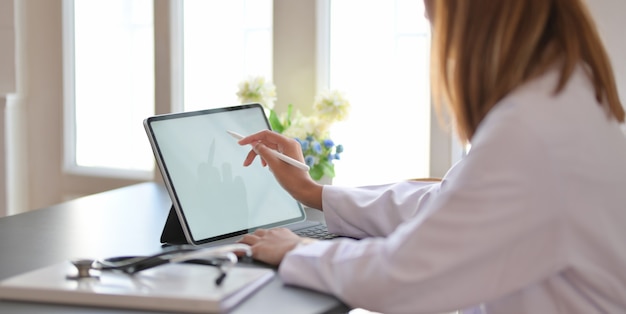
303	126
257	90
331	106
312	131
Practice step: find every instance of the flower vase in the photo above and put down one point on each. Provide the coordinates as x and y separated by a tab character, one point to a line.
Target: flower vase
325	180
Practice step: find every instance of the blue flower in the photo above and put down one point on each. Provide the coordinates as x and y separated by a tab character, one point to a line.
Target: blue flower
317	148
328	143
303	144
309	160
319	154
339	149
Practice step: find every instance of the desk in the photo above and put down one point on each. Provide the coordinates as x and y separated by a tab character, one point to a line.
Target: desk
126	221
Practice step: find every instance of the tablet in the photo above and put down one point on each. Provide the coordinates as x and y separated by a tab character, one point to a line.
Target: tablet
213	195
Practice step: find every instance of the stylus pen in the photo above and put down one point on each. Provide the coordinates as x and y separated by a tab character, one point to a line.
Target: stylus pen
280	156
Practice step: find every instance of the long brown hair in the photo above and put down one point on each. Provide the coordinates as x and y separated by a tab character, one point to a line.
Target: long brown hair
483	49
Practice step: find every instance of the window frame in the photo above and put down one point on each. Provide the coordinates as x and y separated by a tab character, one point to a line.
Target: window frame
445	150
70	165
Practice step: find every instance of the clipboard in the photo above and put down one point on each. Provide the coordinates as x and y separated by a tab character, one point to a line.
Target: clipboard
179	288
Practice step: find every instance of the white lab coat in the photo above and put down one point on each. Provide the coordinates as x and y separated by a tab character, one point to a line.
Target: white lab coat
532	220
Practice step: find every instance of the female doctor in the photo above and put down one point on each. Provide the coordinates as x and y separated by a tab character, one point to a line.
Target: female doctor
532	220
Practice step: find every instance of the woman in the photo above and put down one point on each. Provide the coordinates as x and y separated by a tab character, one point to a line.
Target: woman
532	220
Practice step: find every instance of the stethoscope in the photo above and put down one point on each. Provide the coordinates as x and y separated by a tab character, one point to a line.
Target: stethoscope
222	257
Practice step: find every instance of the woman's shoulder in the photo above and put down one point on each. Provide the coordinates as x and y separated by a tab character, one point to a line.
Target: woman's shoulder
569	130
537	107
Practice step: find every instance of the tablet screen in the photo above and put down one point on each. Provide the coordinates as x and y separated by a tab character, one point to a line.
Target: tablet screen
203	167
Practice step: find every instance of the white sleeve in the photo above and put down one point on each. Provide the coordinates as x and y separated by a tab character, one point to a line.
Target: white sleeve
494	217
374	210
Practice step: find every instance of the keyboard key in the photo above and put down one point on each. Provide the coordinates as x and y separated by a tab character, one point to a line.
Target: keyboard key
316	232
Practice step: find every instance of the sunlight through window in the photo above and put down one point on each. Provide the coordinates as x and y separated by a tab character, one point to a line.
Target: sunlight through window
113	81
224	43
379	58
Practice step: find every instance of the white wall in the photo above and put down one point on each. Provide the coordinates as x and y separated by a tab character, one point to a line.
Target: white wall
7	85
3	176
7	48
610	17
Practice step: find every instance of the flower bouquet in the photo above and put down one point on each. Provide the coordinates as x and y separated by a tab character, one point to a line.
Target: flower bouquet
312	132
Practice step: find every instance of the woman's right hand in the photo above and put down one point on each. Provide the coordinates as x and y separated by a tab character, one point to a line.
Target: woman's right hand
295	181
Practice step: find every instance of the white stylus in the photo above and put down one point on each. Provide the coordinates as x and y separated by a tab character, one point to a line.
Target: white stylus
280	156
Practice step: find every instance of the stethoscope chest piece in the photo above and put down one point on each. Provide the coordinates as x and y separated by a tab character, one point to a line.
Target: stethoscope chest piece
83	269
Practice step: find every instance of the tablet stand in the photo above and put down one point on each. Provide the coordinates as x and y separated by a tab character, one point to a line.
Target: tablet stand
172	233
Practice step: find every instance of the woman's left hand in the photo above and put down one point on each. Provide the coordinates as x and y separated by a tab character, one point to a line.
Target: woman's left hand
271	246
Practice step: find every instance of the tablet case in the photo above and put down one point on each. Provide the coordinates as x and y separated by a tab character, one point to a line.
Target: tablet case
173	287
172	233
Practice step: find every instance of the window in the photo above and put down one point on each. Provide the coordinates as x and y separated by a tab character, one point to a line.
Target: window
110	72
382	67
224	43
109	81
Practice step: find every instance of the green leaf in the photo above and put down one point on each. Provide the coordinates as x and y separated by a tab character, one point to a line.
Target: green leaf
289	111
329	169
275	122
316	172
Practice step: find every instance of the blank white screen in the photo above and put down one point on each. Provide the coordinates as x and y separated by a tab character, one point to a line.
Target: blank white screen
205	165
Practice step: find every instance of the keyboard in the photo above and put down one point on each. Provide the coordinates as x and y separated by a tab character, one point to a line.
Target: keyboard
316	232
